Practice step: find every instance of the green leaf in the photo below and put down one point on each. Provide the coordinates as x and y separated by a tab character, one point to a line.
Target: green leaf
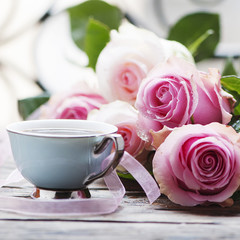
199	32
229	68
236	95
193	48
97	36
236	196
27	106
237	108
235	123
101	11
125	175
129	176
232	85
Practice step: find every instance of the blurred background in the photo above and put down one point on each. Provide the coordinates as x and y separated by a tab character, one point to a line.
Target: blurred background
37	52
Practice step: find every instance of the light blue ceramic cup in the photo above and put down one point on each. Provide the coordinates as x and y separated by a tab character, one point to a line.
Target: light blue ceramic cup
68	160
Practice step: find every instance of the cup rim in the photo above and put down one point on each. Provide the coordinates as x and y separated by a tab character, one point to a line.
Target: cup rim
20	126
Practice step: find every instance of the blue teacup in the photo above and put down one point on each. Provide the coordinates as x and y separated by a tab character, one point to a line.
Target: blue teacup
64	155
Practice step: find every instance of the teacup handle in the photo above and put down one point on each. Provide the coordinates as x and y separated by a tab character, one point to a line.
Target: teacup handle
119	150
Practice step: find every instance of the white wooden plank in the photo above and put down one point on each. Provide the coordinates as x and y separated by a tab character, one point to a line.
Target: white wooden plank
55	230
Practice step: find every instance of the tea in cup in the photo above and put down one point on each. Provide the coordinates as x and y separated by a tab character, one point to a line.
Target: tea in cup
64	155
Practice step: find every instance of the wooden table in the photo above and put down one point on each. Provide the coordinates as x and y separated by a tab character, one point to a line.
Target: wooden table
134	219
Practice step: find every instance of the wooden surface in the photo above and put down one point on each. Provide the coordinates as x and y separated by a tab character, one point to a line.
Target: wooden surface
134	219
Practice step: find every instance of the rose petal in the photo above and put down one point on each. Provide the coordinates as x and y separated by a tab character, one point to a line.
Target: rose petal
217	103
168	184
160	136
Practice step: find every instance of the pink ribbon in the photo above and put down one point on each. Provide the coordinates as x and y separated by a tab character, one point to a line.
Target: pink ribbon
142	176
91	206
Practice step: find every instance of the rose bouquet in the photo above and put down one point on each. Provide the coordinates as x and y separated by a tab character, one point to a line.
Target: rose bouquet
173	117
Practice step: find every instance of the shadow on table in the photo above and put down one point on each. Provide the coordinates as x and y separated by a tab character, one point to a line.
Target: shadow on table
164	204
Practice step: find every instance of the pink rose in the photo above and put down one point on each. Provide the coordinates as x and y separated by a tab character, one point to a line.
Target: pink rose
72	105
195	164
133	144
128	57
175	93
214	102
124	116
168	96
